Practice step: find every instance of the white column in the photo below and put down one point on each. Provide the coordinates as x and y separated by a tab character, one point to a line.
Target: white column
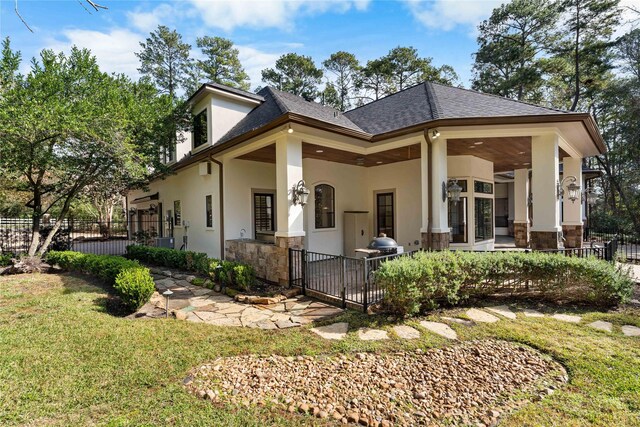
288	174
424	185
440	220
545	166
520	196
572	211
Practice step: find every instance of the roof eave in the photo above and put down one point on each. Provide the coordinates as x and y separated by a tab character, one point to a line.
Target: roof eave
585	118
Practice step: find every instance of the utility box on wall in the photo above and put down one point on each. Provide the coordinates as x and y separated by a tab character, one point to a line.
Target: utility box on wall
356	231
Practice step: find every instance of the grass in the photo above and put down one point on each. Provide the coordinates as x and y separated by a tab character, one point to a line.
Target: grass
65	361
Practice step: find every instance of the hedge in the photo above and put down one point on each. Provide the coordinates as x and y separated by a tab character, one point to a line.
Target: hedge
227	273
172	258
424	280
133	283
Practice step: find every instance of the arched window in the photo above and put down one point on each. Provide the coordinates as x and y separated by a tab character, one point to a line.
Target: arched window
325	206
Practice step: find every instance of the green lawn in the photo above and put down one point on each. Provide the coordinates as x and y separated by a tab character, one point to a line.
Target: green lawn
65	361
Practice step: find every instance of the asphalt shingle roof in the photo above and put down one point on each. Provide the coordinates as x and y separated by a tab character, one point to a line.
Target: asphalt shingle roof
430	101
413	106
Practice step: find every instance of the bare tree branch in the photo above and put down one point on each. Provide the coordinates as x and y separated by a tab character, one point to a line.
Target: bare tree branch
93	4
84	7
22	19
96	6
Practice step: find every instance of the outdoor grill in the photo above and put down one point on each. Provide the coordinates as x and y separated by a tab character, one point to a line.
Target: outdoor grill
384	245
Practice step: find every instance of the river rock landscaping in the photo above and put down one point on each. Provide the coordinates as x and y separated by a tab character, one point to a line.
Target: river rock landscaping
470	383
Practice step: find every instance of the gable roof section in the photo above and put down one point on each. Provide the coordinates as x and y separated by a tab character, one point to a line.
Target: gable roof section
277	103
432	101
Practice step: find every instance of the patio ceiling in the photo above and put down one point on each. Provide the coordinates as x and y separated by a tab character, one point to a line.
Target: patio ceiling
313	151
506	153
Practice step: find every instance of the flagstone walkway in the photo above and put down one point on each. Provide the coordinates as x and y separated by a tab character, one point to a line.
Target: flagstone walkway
474	316
201	305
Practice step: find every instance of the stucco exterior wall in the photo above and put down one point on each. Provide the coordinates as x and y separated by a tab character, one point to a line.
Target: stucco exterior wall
349	182
191	189
240	177
225	114
404	178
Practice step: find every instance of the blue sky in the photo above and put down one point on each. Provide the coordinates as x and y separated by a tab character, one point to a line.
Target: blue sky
262	29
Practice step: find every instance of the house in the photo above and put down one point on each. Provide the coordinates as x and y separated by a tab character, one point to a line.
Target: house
392	166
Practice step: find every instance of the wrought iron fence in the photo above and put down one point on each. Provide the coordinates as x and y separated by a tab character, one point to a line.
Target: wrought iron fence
82	235
628	244
338	279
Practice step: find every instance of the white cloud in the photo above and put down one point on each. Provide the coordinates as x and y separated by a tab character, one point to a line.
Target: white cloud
254	61
630	17
447	14
148	21
114	50
229	14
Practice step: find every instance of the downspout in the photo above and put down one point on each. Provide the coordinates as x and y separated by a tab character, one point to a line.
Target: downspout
221	190
429	188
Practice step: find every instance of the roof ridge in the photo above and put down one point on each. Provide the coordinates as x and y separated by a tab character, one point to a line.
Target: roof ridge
432	99
504	98
281	105
386	96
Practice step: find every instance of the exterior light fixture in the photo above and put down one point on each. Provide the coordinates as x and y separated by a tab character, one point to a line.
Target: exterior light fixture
289	129
167	294
300	193
153	209
590	196
133	211
572	187
435	134
451	190
359	161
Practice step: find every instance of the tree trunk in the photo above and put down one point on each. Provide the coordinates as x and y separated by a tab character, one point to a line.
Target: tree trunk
35	222
576	96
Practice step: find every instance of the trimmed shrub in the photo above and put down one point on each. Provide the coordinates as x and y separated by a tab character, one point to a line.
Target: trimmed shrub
426	279
133	283
135	286
5	260
233	274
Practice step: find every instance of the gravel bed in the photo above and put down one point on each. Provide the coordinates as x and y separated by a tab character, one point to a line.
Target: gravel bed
470	383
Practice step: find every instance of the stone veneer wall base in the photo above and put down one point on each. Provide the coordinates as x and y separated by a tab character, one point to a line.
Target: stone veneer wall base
546	240
521	234
271	261
435	241
572	235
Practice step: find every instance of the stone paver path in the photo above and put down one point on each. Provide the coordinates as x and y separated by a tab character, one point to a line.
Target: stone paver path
406	332
459	321
201	305
571	318
503	310
631	331
441	329
481	316
334	331
528	312
366	334
601	325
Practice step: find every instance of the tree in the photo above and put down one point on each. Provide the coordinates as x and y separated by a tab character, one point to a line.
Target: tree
346	69
164	58
331	97
408	69
508	61
66	126
296	74
376	79
221	63
583	58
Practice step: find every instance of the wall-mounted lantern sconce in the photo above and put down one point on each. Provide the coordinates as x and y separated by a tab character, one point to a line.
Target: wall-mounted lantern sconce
572	188
132	211
300	193
435	133
153	209
451	190
590	196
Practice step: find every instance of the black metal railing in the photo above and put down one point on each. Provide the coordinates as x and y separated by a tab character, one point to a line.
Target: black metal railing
82	235
627	244
342	280
604	250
